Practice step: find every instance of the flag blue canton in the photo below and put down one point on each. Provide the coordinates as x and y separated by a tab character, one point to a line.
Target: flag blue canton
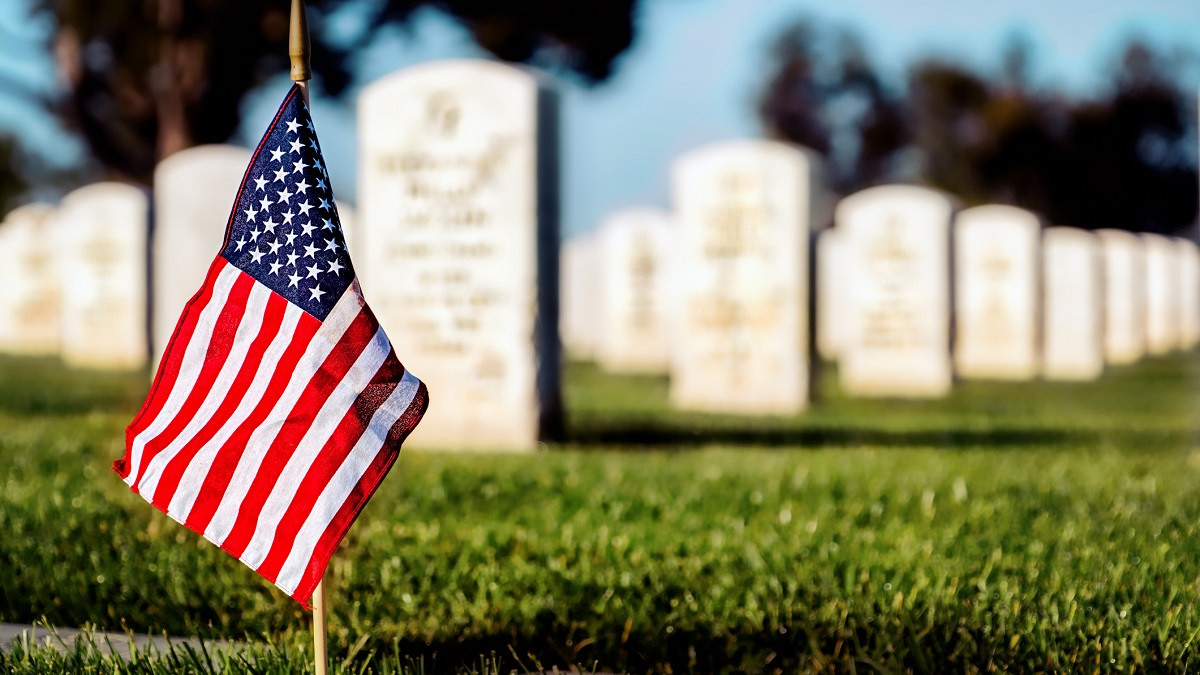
285	231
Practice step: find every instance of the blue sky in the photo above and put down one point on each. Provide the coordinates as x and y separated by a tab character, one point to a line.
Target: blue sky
692	76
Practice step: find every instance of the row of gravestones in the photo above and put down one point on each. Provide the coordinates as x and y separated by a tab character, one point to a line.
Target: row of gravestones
457	247
101	279
458	253
908	293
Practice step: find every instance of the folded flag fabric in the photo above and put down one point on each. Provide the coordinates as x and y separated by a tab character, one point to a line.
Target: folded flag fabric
279	404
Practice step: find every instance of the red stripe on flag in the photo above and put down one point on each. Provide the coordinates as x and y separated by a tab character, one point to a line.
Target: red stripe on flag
168	367
226	461
366	487
272	319
325	465
299	420
218	350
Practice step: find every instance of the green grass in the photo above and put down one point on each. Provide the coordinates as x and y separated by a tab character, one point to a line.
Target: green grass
1031	526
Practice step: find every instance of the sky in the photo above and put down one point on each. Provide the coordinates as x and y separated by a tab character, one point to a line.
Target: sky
690	78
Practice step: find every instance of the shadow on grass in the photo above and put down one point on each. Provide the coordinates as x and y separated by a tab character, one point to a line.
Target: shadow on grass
896	643
45	386
667	436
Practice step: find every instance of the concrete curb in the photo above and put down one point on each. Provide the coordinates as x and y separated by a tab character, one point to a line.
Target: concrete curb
119	644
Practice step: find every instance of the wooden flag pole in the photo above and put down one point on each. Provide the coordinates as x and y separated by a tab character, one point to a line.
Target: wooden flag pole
299	49
299	46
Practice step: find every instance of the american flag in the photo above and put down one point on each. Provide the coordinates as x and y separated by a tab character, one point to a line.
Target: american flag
279	404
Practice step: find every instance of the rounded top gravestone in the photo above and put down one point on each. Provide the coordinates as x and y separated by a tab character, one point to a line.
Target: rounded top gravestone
1189	292
1162	294
1124	295
194	193
1072	333
831	278
105	229
898	324
458	245
743	214
996	292
29	305
579	286
634	299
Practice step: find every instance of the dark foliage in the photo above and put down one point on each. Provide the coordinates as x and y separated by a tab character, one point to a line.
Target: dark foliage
1123	157
12	181
146	79
825	95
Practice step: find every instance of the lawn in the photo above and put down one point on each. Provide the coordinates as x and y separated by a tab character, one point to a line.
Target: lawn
1029	526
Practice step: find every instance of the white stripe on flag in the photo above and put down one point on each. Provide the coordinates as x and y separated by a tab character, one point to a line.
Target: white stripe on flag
328	419
197	470
247	333
343	482
189	369
326	338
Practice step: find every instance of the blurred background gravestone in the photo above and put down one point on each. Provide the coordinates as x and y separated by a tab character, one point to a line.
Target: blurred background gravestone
635	300
744	210
833	280
194	192
898	324
458	241
105	267
580	320
1162	294
30	279
1073	322
997	291
1189	292
1124	262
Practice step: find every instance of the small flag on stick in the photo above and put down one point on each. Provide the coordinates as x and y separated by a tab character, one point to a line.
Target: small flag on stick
279	405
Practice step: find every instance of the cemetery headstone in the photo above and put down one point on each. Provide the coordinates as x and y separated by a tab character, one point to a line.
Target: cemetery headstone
1189	293
635	252
1073	322
193	199
105	264
579	284
31	283
1124	296
898	325
458	232
832	279
743	216
1162	294
997	273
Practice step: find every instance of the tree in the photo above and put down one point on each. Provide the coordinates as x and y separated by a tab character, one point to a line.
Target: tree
13	180
146	79
824	94
1123	157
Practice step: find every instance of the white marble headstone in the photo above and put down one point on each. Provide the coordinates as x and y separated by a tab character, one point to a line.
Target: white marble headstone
997	274
30	281
1073	322
194	193
105	269
1124	296
1189	293
458	246
743	214
832	279
898	325
1162	294
579	288
635	334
